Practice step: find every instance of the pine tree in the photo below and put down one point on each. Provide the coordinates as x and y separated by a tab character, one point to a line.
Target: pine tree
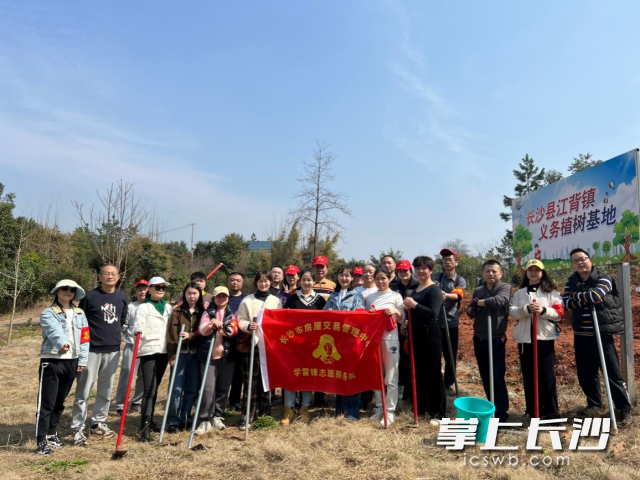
530	178
582	162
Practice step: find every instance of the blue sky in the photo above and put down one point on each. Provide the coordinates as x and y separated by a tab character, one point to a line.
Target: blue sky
210	107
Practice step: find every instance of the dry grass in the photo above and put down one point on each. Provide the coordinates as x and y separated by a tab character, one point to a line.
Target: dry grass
327	448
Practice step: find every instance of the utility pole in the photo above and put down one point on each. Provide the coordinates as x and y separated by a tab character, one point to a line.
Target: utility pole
193	228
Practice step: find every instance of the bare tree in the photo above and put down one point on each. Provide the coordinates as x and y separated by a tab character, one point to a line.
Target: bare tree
457	245
19	279
113	228
315	203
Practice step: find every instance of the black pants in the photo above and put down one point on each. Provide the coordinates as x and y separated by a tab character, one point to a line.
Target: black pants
152	369
481	349
427	353
449	378
216	387
404	377
547	390
588	364
57	377
236	385
260	400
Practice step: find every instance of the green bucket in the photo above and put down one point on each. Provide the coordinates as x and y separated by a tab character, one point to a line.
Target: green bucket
473	407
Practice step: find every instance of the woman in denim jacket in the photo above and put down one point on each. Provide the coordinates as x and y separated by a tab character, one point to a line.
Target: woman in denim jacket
64	353
346	298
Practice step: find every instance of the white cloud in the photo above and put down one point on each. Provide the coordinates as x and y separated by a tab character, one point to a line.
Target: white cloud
625	198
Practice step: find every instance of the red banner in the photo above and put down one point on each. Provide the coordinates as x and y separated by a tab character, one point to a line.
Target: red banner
321	350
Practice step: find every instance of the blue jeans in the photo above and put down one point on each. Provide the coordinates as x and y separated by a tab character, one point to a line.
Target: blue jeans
290	398
185	389
349	405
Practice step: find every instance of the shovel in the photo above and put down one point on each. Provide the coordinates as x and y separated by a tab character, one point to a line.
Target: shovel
451	359
173	379
204	380
119	453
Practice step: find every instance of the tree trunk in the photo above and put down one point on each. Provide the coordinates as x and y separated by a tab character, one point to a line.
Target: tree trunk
16	273
519	269
13	314
628	256
315	225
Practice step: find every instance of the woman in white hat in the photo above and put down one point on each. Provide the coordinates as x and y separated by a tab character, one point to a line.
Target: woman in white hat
537	295
152	320
64	353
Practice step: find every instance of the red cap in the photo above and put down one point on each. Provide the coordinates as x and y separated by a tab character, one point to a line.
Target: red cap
292	270
357	271
320	260
403	265
142	282
445	252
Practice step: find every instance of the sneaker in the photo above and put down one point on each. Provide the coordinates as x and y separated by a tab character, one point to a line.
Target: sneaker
135	408
43	448
79	439
217	423
435	422
625	419
590	412
54	441
377	414
101	429
391	417
203	428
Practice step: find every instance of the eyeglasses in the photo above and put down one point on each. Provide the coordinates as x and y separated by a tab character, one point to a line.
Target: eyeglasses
579	260
69	289
160	288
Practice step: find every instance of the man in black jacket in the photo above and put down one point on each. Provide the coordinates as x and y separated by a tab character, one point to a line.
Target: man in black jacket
491	300
584	290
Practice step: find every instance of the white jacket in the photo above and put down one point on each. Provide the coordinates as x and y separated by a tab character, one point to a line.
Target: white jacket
153	327
518	310
249	309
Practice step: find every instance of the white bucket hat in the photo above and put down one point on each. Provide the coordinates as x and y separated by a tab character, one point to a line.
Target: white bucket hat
158	281
69	283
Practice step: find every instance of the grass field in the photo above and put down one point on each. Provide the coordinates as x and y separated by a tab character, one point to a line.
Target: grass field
327	448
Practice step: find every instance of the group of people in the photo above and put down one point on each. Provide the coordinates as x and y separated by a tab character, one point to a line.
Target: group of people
82	341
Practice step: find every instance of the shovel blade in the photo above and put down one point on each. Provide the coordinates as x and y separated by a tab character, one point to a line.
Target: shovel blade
118	454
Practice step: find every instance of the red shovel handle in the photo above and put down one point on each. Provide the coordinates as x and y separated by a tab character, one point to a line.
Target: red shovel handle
208	277
132	373
534	340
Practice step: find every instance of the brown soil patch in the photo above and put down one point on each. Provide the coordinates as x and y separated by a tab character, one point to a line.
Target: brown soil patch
565	358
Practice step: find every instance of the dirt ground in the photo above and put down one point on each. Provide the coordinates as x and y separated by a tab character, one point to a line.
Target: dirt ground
565	359
325	449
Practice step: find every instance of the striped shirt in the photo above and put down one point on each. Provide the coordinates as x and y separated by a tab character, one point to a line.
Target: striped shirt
581	299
